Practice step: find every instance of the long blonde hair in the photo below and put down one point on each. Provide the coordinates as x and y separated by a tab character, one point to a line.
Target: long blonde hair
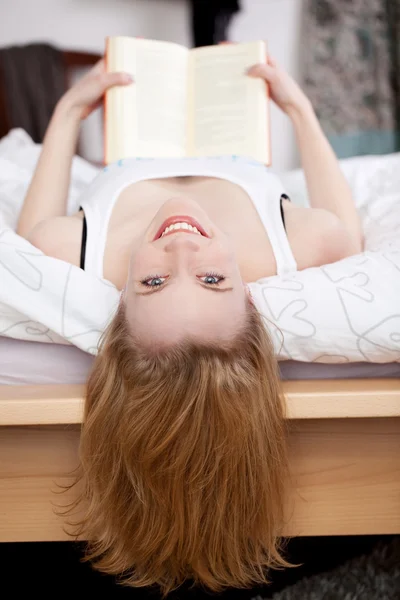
184	461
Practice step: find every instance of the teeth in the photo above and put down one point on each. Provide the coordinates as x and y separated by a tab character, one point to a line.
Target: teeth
181	226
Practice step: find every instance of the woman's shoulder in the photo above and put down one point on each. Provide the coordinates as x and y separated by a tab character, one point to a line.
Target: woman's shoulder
316	236
59	237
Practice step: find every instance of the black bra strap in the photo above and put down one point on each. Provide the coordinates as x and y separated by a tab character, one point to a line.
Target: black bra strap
83	245
283	197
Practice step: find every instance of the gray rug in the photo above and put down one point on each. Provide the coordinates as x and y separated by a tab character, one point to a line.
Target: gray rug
373	576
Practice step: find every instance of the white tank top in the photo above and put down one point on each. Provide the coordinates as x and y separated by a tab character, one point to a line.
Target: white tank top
263	188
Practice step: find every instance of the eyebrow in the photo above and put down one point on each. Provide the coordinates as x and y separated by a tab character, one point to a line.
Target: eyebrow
211	289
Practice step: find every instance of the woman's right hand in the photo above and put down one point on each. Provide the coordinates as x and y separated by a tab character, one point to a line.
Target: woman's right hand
87	93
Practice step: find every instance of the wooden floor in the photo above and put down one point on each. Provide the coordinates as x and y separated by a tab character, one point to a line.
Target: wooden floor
344	444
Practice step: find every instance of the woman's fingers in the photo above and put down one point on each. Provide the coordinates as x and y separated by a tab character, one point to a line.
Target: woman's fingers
91	94
104	81
262	70
93	91
119	78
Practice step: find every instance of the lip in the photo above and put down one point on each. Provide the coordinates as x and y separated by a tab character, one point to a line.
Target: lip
179	219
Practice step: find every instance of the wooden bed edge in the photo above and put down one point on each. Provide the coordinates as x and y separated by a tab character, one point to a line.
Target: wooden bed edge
311	399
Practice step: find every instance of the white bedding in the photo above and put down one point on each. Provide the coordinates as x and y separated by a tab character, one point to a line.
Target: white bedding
23	363
340	313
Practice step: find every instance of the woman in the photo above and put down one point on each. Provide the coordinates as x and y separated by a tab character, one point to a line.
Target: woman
183	452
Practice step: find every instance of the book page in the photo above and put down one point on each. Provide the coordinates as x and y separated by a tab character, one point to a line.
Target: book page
147	118
228	111
119	114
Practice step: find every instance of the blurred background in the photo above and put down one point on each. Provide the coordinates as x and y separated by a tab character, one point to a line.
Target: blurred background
345	54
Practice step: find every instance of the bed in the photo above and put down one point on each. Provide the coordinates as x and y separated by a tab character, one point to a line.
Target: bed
344	430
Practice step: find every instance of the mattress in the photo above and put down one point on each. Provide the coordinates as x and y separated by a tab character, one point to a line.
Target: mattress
23	363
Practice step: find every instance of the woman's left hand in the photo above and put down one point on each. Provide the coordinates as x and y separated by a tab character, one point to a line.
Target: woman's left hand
284	90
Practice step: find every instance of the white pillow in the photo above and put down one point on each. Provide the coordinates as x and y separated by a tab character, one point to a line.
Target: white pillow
345	312
349	310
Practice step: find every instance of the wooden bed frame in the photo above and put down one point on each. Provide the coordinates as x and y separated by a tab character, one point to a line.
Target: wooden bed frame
344	442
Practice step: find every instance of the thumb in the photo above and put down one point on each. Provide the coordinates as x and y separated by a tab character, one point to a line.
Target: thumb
108	80
265	71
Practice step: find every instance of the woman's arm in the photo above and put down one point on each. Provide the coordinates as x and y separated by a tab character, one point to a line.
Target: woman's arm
48	191
326	184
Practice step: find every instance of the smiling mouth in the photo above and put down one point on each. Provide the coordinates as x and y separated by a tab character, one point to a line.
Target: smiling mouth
180	224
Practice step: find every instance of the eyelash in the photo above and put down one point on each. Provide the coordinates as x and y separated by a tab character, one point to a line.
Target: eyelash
145	283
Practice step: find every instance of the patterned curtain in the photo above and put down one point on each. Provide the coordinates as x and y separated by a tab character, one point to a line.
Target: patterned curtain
351	72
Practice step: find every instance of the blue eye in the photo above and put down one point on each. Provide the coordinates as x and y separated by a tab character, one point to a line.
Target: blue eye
212	278
158	280
153	281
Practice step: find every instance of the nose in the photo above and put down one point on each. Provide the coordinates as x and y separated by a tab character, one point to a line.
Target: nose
182	242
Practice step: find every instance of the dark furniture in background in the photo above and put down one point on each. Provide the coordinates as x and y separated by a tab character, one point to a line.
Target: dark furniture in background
32	79
211	19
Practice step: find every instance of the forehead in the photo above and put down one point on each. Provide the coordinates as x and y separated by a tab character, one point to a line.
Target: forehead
202	314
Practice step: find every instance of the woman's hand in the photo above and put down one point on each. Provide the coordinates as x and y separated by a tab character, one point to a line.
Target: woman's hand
87	93
284	91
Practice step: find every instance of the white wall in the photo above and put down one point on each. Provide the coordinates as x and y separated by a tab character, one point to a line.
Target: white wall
83	25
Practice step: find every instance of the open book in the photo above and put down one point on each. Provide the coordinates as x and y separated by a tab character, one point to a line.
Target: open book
186	102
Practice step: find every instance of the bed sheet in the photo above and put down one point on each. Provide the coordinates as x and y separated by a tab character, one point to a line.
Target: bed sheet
24	363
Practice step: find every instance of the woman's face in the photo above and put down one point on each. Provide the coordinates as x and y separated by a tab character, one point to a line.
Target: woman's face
182	282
